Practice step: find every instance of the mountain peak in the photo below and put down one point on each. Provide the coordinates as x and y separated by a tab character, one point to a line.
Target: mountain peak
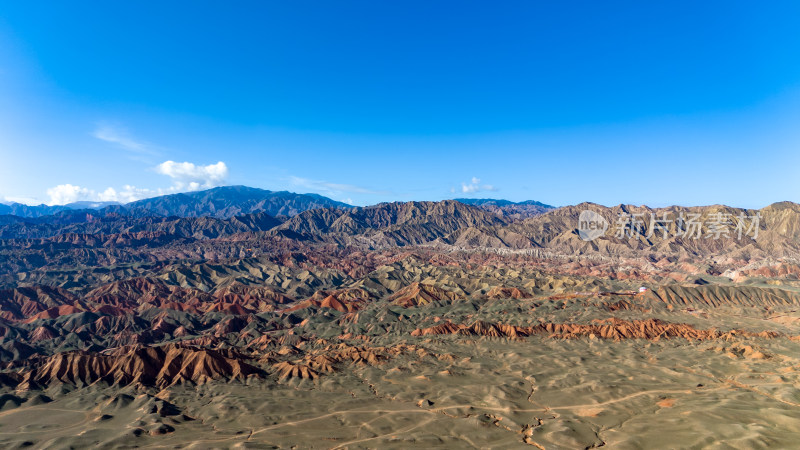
507	208
221	202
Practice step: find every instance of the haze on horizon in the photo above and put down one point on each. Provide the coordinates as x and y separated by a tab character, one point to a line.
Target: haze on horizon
615	103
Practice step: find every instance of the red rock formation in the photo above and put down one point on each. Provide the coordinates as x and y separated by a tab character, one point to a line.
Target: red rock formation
24	302
152	366
444	328
42	333
608	329
417	294
500	292
287	370
342	300
233	309
52	313
144	293
255	298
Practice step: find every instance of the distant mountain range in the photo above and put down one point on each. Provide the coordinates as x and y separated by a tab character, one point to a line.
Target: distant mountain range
21	210
229	201
132	234
221	202
508	209
500	203
388	224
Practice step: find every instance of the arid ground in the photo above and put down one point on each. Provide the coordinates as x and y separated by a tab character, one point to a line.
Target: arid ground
434	325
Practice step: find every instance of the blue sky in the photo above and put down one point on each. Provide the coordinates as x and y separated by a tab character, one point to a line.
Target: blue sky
561	102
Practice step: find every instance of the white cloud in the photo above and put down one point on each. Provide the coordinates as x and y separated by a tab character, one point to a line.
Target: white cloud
127	194
109	195
185	177
119	136
132	193
191	177
475	186
68	193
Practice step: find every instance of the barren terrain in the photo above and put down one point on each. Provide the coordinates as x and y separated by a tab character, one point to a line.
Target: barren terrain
410	324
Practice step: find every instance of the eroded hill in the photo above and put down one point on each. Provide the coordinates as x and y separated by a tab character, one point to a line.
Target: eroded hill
415	324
